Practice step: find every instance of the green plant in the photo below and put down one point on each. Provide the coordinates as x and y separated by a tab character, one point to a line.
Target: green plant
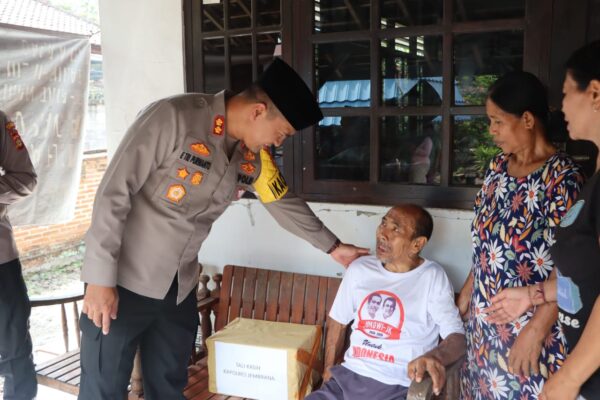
482	156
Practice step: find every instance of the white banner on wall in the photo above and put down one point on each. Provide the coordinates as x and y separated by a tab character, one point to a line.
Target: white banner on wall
44	89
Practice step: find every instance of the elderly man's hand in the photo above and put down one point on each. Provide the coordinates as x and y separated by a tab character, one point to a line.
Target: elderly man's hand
431	365
346	253
326	374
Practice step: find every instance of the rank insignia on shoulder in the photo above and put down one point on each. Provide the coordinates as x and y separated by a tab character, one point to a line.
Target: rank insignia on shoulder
197	178
176	193
219	125
182	173
248	168
200	148
249	156
11	129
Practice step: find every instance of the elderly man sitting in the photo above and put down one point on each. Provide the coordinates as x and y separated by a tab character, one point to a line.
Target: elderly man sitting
400	303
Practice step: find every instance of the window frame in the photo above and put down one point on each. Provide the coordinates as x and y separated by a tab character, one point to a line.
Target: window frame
535	59
296	25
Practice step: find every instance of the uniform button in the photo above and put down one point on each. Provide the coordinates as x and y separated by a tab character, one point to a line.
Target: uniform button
200	102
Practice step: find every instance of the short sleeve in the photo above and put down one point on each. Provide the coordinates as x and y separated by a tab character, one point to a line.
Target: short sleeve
343	307
487	180
441	307
566	181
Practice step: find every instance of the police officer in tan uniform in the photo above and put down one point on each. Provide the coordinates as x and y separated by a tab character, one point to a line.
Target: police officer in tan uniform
17	180
179	166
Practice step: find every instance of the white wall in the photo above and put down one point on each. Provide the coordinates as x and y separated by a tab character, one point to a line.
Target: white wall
247	235
142	46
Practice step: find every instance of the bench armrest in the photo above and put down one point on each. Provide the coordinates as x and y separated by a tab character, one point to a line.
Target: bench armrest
207	303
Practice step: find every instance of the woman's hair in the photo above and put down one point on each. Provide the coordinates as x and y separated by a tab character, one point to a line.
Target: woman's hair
584	65
520	91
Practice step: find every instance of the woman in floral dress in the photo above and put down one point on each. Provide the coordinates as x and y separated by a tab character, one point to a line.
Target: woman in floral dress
527	189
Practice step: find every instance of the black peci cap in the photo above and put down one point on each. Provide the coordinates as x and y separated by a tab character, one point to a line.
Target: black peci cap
290	94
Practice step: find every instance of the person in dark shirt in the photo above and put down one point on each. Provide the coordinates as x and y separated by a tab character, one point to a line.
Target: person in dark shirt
576	253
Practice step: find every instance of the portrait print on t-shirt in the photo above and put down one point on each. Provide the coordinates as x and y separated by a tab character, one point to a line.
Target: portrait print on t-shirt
381	315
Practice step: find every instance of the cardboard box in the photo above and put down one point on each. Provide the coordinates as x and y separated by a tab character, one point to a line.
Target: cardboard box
264	360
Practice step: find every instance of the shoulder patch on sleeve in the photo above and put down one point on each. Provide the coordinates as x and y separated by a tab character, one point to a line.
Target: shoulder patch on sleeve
270	185
11	129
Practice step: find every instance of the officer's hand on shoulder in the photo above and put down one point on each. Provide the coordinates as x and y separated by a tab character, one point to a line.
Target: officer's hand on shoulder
346	253
101	304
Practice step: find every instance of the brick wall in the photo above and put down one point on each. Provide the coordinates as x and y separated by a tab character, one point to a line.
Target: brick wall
38	243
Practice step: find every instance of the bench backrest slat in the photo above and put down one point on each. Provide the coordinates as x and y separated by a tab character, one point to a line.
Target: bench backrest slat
274	296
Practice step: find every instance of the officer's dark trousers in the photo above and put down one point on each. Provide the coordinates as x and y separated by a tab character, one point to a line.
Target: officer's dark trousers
165	333
16	362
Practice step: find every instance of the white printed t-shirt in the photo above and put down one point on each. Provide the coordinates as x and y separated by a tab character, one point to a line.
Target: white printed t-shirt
398	316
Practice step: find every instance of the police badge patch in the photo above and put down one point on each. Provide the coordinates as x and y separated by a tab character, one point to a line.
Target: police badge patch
200	148
176	193
197	178
11	129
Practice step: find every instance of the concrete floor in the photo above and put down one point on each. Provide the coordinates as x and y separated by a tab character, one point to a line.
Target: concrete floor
46	393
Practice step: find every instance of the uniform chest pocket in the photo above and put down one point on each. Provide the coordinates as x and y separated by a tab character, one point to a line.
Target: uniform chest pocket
243	184
185	176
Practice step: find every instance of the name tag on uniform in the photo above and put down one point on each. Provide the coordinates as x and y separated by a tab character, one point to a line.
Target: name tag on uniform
568	296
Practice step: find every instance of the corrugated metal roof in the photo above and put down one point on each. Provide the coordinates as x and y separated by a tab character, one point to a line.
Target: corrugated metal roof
39	15
357	93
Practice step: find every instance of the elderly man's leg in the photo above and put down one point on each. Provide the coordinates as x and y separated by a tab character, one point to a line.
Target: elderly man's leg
351	385
329	391
16	362
166	347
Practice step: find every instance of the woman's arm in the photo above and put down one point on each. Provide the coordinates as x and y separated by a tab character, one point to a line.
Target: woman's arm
511	303
464	297
525	351
583	361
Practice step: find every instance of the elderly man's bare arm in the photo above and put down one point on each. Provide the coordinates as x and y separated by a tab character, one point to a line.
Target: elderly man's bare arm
334	346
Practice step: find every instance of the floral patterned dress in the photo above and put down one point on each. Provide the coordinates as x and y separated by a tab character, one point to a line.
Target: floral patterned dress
512	232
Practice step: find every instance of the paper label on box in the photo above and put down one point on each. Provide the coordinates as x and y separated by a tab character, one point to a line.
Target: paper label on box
250	371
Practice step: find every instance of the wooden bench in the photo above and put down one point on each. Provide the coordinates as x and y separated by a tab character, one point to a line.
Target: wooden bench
62	372
285	297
